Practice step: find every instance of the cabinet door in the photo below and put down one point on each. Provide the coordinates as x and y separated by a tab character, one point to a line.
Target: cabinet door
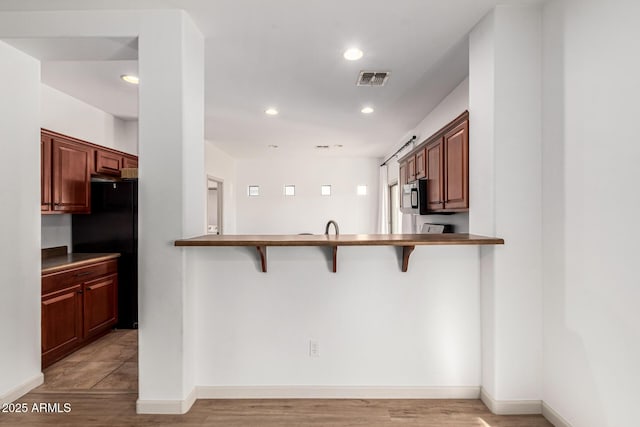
61	323
130	162
71	177
420	166
411	168
457	167
403	174
100	305
434	173
108	163
45	173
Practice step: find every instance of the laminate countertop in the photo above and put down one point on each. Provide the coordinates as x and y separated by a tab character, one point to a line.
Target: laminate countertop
59	263
340	240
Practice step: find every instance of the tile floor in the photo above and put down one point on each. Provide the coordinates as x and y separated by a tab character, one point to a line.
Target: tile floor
109	364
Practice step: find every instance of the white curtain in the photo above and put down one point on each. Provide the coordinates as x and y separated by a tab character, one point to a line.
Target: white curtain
383	203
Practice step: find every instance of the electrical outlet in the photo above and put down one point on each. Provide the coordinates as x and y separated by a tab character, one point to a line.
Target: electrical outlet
314	348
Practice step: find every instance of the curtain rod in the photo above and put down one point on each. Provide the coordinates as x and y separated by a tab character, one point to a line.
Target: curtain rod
413	138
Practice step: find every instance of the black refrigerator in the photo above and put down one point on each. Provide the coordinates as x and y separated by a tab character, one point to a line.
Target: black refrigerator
112	226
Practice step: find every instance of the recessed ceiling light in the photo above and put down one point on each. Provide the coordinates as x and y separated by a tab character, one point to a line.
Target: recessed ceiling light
352	54
130	78
271	112
367	110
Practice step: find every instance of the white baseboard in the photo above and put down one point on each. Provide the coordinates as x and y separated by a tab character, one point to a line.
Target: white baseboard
553	417
335	392
174	407
22	389
510	407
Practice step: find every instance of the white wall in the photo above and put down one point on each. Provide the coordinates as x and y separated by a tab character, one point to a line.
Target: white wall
20	222
505	167
591	157
70	116
56	231
62	113
454	104
307	211
220	165
376	326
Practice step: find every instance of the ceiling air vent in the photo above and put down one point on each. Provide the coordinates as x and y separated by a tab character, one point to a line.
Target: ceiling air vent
373	78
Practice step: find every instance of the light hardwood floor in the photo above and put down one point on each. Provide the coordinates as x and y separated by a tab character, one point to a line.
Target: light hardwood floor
100	384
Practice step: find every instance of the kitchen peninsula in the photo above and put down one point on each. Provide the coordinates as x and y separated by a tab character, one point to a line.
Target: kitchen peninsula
408	242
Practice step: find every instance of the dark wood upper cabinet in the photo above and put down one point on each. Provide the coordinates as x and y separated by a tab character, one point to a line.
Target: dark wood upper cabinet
71	176
66	166
420	165
403	178
457	167
443	159
411	168
435	175
45	173
130	162
107	163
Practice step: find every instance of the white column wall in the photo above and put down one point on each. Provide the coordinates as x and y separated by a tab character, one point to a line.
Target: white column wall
171	136
505	93
20	223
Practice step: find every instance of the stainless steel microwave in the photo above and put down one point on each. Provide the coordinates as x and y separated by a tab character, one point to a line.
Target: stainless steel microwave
413	197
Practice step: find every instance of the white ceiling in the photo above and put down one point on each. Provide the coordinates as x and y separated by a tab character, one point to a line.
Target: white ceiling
288	54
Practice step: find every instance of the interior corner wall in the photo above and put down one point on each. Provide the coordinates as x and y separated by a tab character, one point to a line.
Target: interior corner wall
222	166
20	222
591	210
505	184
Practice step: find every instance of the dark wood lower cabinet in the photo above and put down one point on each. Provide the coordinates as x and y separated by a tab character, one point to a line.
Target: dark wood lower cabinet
100	305
61	322
78	306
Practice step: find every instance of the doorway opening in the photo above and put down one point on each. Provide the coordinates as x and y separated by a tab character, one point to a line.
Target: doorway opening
215	191
394	209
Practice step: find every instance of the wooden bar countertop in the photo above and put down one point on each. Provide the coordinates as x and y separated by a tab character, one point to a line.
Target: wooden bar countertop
340	240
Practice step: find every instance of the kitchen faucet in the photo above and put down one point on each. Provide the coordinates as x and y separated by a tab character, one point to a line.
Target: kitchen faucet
335	225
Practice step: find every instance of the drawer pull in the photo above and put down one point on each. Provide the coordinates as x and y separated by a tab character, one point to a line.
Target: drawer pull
86	273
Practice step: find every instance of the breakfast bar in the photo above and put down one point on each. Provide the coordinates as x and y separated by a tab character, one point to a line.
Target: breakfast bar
407	242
